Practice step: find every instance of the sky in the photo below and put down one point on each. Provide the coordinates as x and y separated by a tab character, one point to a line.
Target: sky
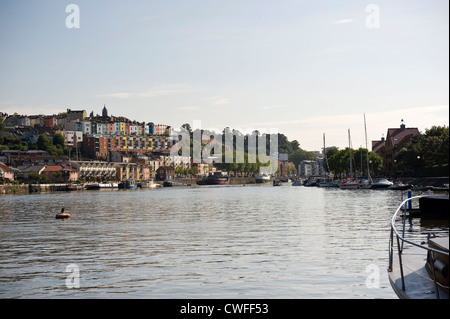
302	67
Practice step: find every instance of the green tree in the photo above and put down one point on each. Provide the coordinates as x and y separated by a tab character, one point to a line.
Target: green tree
58	140
426	150
300	155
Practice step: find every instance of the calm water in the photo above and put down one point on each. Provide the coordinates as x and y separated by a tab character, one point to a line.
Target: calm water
200	242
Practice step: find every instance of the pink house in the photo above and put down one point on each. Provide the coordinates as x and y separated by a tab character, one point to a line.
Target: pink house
6	172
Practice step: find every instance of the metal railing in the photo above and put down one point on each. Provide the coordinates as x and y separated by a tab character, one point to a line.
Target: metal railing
401	240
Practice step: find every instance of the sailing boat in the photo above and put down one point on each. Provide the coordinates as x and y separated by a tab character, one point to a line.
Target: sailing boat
366	183
325	181
350	183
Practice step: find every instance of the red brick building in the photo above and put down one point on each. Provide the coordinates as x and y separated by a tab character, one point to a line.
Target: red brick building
396	139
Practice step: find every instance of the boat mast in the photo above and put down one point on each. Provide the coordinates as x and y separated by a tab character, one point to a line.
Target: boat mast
367	150
350	154
324	157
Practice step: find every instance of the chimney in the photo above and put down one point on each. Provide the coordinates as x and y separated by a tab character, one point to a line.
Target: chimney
402	126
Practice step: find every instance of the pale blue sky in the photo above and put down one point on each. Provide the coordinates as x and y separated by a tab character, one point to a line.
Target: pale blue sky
304	67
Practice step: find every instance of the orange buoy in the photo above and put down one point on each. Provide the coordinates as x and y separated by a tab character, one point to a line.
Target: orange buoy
62	215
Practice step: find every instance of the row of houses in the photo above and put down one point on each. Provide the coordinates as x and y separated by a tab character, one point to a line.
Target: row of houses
99	146
77	121
119	166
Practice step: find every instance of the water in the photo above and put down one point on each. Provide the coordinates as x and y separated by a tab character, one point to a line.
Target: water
198	242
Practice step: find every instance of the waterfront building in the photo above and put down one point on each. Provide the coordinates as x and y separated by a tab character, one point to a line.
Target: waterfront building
24	171
308	168
134	171
396	139
164	173
32	158
6	172
99	170
60	173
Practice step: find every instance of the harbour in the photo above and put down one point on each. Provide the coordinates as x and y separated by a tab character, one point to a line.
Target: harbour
223	241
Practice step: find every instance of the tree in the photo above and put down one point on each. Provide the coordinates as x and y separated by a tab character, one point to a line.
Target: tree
58	140
300	155
187	127
43	142
426	150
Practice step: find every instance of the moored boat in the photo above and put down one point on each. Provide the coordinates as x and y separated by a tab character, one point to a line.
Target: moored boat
130	184
297	182
172	184
365	183
326	182
218	178
349	184
277	183
148	184
382	184
419	269
263	178
102	185
400	186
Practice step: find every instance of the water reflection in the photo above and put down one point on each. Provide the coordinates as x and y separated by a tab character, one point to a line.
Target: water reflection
199	242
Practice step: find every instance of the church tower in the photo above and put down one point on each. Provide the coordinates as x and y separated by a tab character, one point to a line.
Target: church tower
104	111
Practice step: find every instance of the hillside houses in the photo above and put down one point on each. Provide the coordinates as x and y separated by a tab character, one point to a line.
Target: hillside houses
95	135
105	147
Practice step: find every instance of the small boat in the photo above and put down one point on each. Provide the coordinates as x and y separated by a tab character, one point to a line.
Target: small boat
419	270
297	182
277	183
326	182
365	183
102	185
217	178
382	184
74	187
263	178
148	184
400	186
311	181
349	184
172	184
130	184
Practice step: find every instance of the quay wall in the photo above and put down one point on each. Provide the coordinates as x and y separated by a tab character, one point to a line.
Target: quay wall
37	188
233	180
31	188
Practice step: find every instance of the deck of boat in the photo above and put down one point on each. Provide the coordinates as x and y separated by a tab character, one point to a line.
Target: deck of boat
418	284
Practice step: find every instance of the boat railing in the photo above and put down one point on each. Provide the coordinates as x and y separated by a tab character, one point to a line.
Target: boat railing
401	240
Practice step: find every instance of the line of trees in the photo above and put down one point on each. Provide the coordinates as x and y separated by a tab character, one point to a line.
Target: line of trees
428	153
338	162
